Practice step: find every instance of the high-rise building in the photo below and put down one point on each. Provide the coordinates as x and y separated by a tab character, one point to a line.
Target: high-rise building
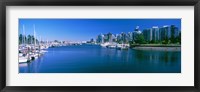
151	34
109	37
147	33
167	31
155	33
130	36
119	38
114	38
124	37
105	38
136	32
100	38
162	33
133	35
174	31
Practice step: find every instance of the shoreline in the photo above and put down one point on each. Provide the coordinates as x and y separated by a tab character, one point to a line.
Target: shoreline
155	45
158	48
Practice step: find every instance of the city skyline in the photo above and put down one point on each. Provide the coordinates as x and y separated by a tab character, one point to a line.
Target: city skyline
85	29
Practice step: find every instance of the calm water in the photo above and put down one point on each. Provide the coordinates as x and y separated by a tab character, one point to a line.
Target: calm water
96	59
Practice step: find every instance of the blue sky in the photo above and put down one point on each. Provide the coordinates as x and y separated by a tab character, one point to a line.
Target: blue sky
85	29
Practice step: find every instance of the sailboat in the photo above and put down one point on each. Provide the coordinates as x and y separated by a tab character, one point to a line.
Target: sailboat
36	54
22	58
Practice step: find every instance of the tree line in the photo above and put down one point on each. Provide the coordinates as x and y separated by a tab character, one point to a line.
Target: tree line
139	39
27	39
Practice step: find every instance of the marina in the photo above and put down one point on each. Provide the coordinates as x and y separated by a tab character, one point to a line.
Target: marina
99	46
33	50
67	57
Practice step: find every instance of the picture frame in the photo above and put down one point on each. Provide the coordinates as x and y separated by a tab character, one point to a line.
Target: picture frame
5	88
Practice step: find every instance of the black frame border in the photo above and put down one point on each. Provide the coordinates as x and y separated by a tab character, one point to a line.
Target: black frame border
4	3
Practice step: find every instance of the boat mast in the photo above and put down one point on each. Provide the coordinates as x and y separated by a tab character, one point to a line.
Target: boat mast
40	40
34	36
23	36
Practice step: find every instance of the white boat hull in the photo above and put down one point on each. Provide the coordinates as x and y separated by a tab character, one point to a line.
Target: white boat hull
22	60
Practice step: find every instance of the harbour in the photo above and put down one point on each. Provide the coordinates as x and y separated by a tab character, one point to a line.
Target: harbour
88	58
99	46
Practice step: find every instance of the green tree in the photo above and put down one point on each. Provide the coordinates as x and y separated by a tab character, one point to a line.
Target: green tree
29	39
140	39
55	40
179	38
152	41
164	42
173	39
20	38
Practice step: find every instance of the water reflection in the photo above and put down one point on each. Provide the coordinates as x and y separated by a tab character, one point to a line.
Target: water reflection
31	67
157	56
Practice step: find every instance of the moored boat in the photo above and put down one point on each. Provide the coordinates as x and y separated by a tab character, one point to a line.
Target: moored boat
22	59
122	46
104	44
